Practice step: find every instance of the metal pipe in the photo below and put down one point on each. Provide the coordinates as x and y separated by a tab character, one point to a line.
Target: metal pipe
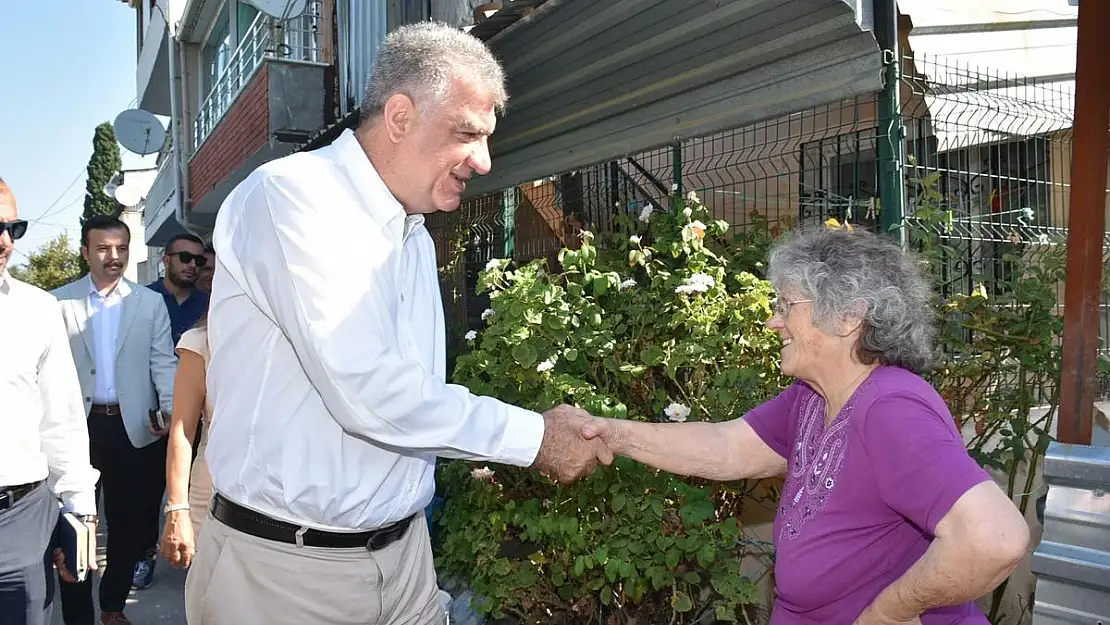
179	184
892	184
1086	224
175	128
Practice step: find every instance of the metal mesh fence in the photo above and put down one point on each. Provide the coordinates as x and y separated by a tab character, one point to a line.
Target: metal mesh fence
997	145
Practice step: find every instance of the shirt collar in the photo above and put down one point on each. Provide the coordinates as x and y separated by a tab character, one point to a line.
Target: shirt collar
379	200
5	282
122	288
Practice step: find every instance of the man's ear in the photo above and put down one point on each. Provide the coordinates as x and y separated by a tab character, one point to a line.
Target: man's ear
399	115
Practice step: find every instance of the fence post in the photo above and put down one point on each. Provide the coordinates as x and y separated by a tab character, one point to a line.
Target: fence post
676	166
889	142
508	218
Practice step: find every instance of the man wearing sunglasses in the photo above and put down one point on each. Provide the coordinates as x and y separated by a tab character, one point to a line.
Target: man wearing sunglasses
44	441
184	261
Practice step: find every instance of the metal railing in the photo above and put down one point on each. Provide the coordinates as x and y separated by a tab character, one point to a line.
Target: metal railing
296	39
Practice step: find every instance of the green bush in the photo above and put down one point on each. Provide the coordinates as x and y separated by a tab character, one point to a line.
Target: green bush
655	324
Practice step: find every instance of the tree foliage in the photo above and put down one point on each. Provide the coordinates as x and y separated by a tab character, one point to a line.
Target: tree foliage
54	264
104	163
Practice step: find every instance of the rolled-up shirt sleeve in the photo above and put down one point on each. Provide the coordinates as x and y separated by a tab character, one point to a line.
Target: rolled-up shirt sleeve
63	431
335	304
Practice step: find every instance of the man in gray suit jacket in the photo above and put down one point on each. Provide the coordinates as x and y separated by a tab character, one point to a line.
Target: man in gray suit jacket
119	333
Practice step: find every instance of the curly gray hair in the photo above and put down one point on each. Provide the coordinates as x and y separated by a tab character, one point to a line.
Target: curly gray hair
420	60
858	275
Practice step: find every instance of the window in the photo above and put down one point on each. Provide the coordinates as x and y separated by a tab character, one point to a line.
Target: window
231	27
218	48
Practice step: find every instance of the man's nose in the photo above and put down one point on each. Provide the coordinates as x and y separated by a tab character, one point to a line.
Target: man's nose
6	239
480	159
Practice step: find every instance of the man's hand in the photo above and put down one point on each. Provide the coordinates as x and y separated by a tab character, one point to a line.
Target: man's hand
178	541
564	453
60	557
166	418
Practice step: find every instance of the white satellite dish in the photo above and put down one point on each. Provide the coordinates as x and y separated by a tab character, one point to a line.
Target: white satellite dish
281	9
128	195
139	131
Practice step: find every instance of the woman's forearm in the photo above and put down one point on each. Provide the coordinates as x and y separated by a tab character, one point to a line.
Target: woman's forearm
969	560
179	458
695	449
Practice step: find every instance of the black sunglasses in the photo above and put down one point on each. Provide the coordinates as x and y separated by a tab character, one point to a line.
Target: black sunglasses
188	257
16	228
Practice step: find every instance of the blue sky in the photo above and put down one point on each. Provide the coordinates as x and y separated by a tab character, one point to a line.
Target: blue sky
65	66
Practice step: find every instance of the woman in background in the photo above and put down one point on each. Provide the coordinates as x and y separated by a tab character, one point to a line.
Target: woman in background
188	483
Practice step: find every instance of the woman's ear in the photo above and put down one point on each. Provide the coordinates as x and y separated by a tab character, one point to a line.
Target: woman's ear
852	323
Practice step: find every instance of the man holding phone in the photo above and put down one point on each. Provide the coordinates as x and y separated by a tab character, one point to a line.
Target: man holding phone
119	335
44	443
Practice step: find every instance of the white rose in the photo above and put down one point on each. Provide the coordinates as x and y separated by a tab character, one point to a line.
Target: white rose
677	412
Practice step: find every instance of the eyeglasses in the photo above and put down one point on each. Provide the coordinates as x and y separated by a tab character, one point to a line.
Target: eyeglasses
16	228
781	306
188	257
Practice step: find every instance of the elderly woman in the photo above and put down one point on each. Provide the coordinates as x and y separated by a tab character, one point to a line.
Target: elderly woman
884	517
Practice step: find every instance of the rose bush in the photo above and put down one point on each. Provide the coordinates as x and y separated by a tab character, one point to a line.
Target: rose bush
656	324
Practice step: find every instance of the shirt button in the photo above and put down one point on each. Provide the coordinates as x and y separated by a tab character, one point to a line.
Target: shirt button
88	400
93	372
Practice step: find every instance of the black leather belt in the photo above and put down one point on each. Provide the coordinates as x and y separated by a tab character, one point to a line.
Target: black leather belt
10	495
111	410
261	526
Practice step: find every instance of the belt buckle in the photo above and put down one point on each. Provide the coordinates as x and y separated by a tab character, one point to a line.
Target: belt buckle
7	499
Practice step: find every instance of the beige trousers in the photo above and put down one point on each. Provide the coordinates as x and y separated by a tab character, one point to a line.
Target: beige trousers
237	579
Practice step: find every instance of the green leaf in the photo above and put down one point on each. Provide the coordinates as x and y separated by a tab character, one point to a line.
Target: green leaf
680	602
570	355
671	558
600	284
617	502
707	554
525	355
697	512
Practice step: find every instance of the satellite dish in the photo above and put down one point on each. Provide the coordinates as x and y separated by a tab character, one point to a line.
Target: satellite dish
281	9
139	131
128	195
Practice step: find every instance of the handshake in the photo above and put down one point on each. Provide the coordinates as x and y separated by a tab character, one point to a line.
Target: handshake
574	443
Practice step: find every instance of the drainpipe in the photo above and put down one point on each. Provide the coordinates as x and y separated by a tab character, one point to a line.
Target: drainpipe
891	132
179	187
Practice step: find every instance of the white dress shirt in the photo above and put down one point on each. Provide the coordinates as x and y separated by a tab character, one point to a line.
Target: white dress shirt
104	312
327	371
43	433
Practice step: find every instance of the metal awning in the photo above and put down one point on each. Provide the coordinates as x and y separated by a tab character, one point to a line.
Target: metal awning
590	81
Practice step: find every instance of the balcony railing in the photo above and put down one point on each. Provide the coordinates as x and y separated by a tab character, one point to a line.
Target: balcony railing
296	39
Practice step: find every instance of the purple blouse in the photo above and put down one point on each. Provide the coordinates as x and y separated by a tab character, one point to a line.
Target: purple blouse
862	497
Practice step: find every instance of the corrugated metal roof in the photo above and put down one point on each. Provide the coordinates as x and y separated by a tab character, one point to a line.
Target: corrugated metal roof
508	14
591	81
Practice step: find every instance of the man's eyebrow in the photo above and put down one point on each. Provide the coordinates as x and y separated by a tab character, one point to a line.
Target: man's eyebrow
468	127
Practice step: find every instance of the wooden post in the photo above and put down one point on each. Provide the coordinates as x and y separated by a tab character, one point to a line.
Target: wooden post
1086	224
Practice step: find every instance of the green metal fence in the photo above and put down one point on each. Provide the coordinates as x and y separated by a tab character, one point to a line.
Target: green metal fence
998	145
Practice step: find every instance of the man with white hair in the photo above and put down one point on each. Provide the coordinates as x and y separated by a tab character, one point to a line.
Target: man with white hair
327	368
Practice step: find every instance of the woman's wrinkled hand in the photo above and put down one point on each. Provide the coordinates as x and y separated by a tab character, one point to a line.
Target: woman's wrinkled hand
874	616
178	541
